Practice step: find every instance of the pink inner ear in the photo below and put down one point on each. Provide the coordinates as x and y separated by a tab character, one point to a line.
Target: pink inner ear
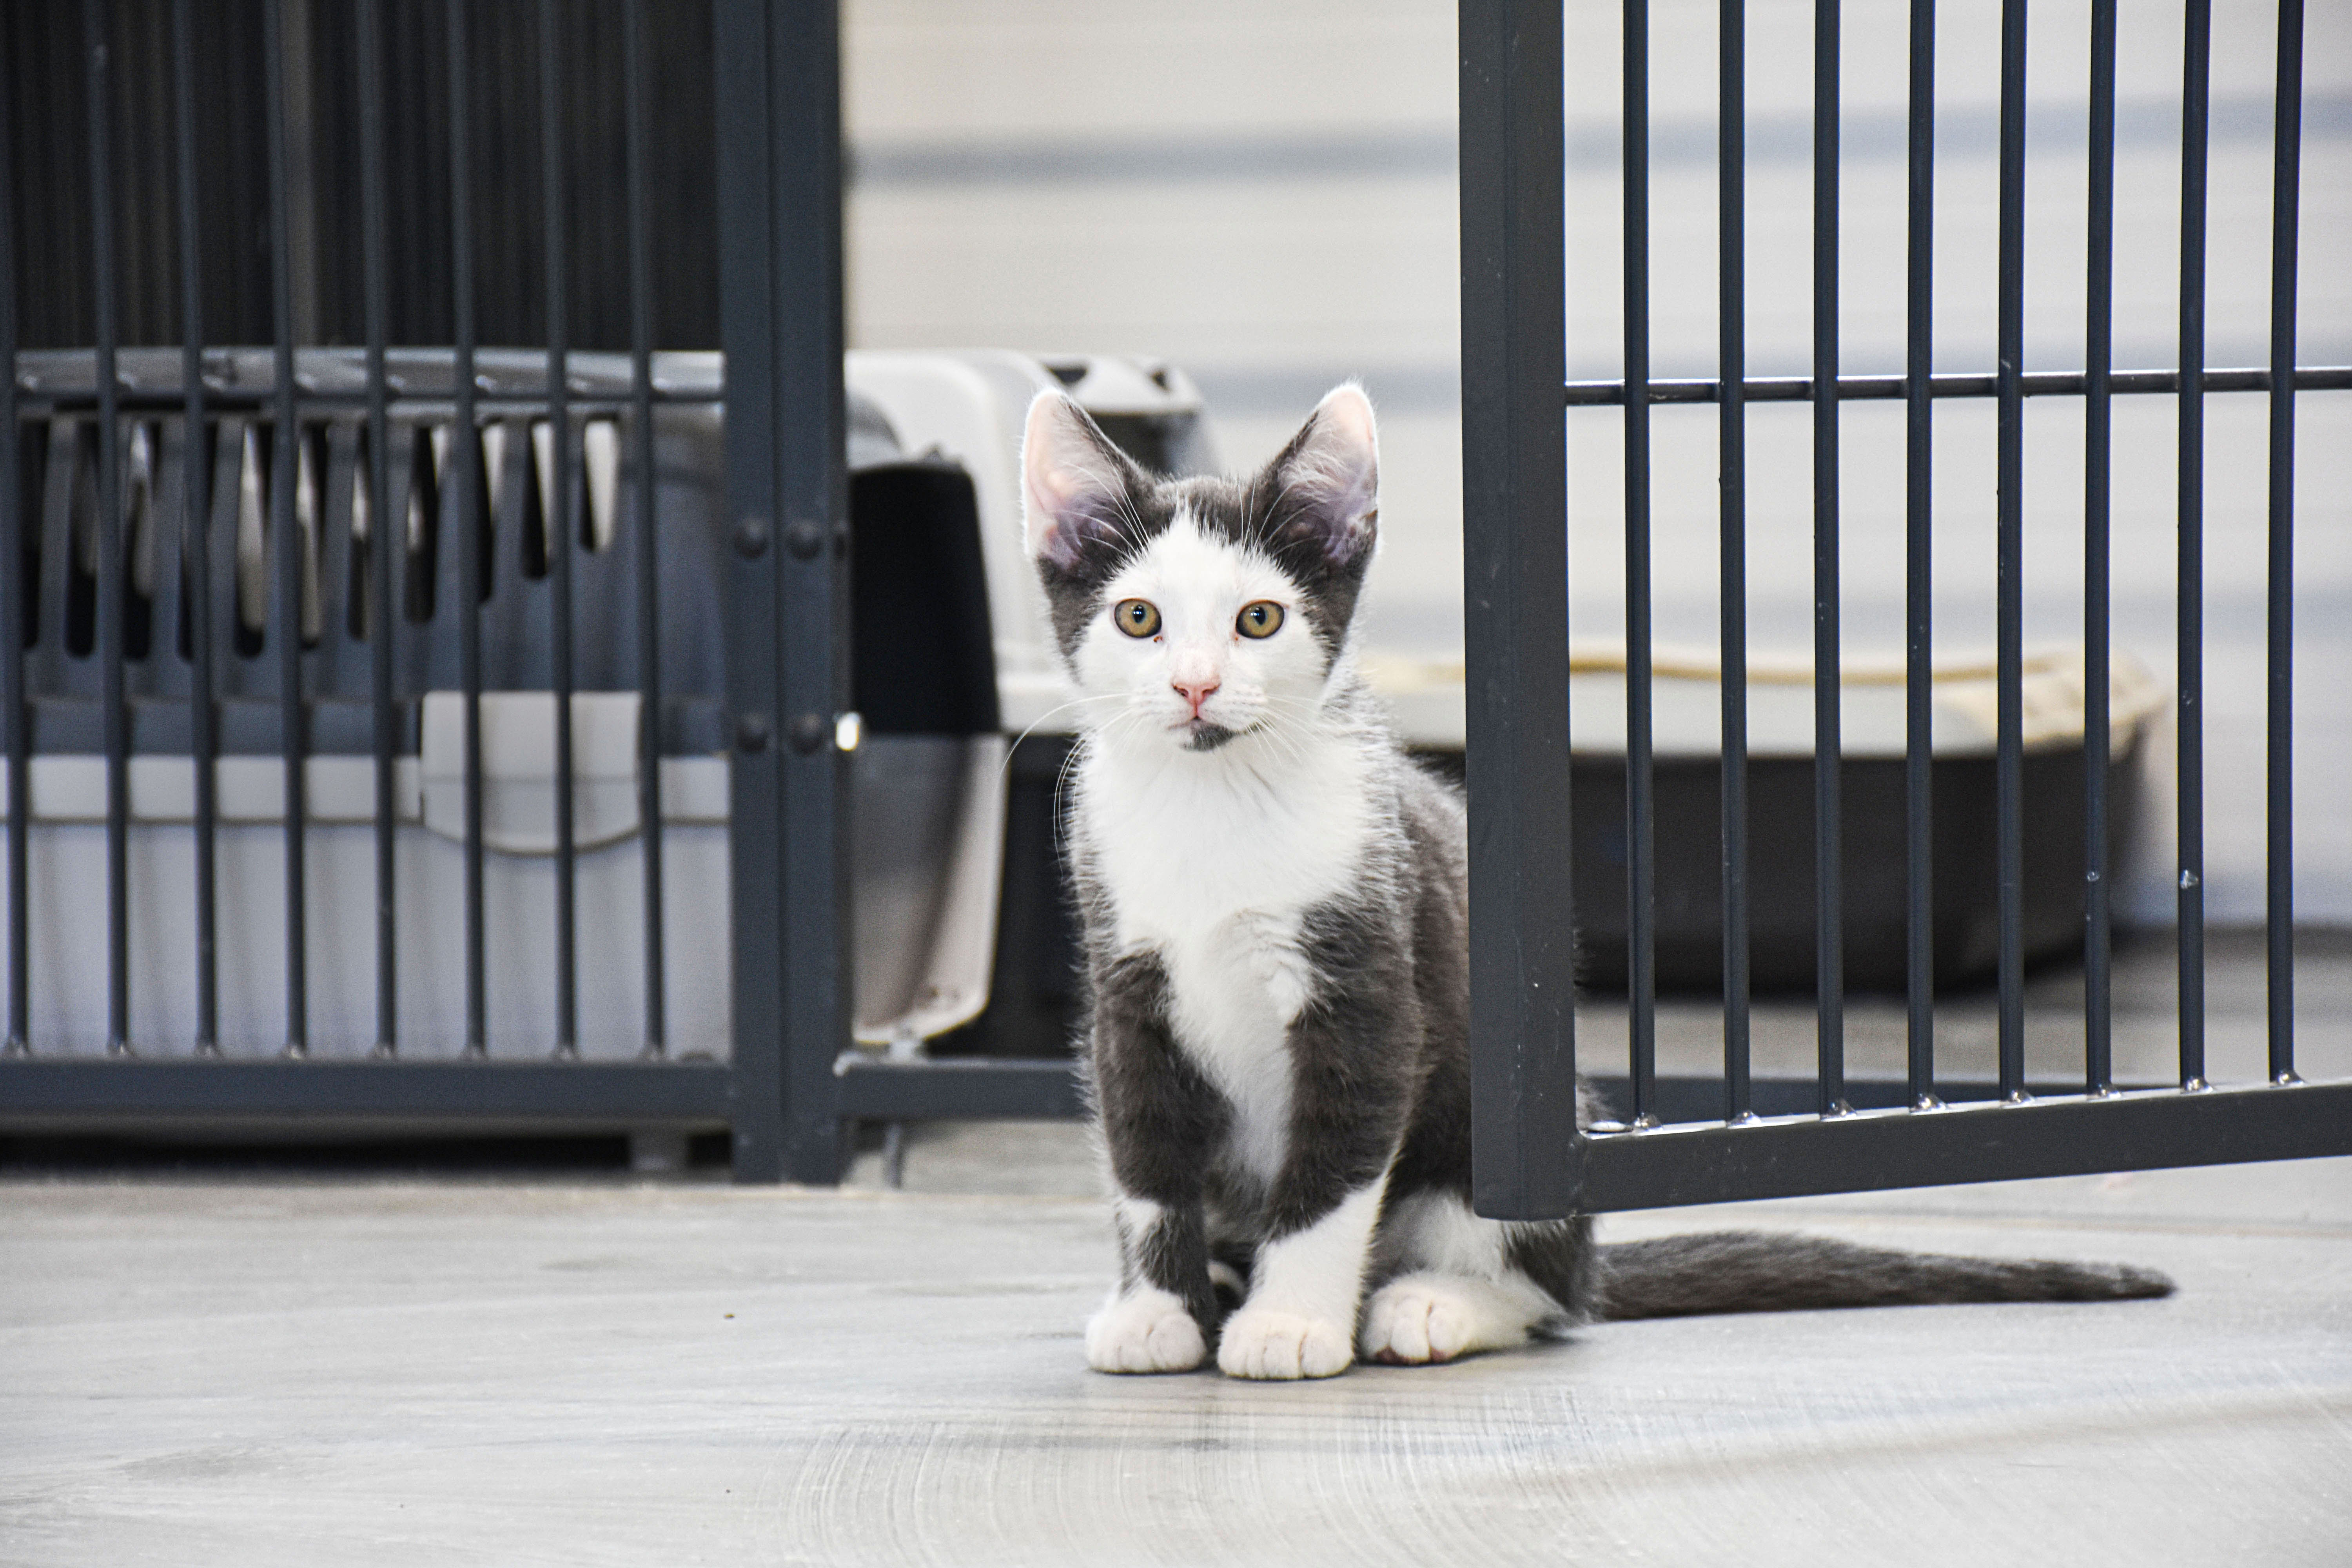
1345	418
1336	471
1069	489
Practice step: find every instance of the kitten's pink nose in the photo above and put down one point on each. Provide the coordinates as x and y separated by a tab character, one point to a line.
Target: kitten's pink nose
1196	691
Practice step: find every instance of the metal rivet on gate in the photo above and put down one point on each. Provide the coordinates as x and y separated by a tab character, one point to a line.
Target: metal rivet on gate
751	538
809	731
804	539
752	734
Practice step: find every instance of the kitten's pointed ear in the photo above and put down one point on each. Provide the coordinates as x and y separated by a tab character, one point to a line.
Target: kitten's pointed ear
1074	484
1330	476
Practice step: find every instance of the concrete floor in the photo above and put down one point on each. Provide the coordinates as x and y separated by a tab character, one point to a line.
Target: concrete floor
312	1357
260	1370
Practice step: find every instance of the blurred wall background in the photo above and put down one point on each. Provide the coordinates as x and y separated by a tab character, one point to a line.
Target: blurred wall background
1264	192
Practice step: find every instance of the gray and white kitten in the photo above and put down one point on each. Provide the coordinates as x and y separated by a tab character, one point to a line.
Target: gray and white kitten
1274	898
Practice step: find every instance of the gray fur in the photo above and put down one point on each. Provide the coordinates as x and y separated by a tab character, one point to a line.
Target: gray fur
1749	1271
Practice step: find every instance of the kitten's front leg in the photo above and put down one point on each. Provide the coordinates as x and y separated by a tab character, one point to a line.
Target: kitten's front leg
1151	1321
1159	1117
1350	1064
1300	1317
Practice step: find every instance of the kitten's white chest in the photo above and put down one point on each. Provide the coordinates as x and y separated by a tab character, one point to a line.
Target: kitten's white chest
1216	873
1187	846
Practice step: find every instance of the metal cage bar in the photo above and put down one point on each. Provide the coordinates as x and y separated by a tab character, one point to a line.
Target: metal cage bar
2099	472
1919	505
2009	589
1731	229
2197	69
1641	828
813	597
749	326
110	562
641	416
2278	913
779	255
203	738
384	608
467	448
561	532
15	723
1829	851
1525	1152
284	620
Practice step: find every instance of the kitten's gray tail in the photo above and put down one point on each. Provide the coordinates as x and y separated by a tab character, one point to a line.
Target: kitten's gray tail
1750	1271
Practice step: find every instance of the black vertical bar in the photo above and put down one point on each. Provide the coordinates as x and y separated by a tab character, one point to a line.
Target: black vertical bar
805	102
1731	276
2196	52
1828	883
1640	847
286	621
204	742
383	533
1919	526
110	538
2285	201
2098	469
560	533
780	285
1526	1149
466	451
641	414
747	330
2010	548
12	614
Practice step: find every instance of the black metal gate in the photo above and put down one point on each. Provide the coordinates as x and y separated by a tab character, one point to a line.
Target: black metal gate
1707	1139
200	570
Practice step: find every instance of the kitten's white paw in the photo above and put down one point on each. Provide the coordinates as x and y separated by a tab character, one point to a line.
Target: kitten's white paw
1413	1322
1261	1342
1147	1332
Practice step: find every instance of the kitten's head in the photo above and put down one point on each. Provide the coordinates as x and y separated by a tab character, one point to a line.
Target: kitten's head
1192	612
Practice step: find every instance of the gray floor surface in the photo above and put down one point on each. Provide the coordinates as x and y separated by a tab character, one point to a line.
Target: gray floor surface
260	1371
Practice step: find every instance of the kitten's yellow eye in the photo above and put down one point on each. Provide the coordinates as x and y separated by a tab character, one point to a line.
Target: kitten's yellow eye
1261	619
1139	618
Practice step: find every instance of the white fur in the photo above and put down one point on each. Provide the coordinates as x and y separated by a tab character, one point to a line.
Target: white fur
1145	1330
1417	1319
1437	1231
1300	1317
1460	1292
1233	990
